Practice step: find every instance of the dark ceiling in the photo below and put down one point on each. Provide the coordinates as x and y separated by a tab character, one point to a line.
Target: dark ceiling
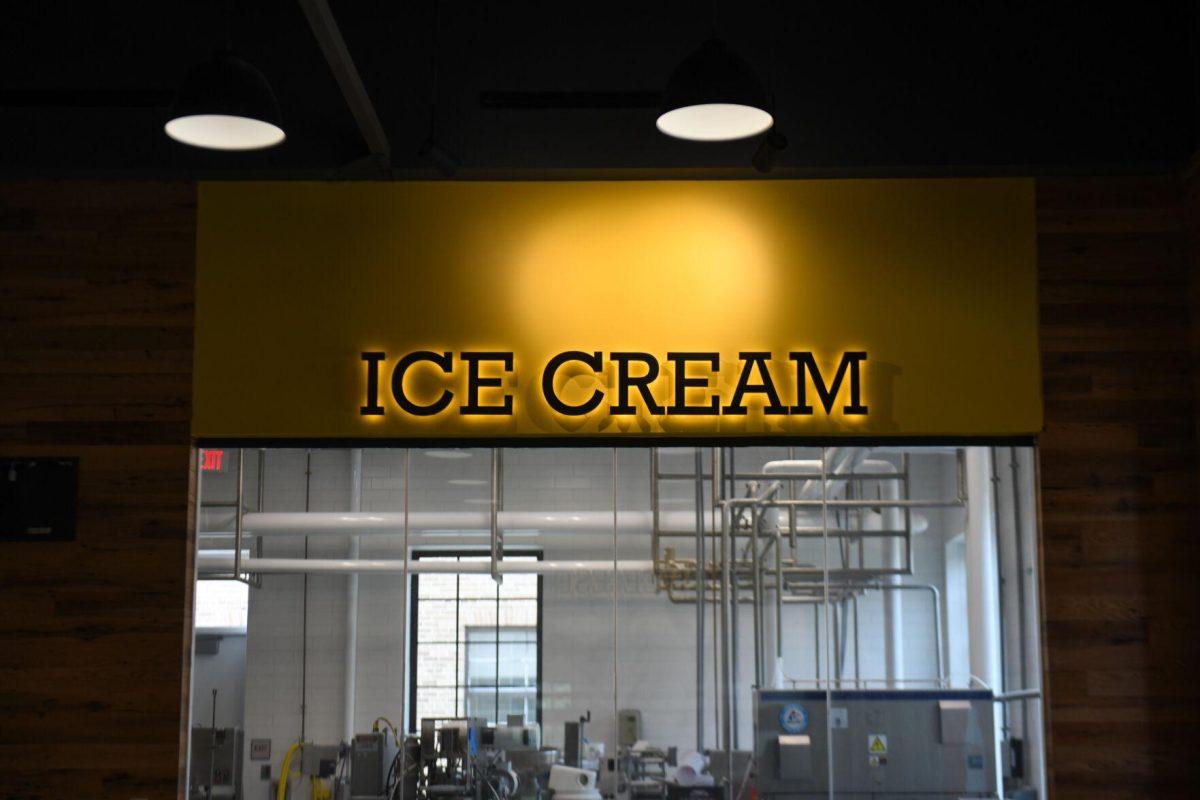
870	88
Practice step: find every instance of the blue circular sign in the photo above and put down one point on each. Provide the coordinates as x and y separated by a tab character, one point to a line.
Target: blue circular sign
793	718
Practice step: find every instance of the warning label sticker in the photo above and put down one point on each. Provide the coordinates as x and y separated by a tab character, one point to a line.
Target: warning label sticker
877	744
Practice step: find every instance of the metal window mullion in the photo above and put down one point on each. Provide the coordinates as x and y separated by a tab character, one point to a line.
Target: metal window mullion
458	669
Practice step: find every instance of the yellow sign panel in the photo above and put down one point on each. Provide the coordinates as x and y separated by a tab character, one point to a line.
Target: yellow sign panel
625	308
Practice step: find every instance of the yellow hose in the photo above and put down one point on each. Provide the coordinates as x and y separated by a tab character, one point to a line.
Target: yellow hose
285	770
375	727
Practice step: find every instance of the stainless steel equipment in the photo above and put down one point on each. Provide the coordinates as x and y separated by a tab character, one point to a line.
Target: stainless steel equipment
216	768
456	761
533	770
320	760
371	757
889	743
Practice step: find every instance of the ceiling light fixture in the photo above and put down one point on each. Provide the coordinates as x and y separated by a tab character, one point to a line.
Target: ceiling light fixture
714	96
226	104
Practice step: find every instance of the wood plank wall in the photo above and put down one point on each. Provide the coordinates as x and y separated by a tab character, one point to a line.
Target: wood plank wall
95	359
96	284
1119	484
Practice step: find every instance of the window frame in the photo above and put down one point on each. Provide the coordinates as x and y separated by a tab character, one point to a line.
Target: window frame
412	720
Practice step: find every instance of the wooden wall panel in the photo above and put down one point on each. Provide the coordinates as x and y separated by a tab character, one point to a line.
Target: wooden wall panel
1119	480
95	362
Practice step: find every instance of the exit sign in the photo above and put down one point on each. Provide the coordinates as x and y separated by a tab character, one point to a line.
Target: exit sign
212	460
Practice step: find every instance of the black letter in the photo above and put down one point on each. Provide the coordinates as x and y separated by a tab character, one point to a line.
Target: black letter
474	382
766	386
443	360
593	360
683	383
806	363
624	381
372	408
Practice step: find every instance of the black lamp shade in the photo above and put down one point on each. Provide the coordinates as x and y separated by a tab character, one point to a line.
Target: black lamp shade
226	104
714	95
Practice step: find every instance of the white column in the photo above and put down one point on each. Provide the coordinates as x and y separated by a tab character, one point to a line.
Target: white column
893	602
1035	759
983	592
893	557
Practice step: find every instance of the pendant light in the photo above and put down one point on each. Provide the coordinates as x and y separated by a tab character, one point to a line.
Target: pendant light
714	96
226	104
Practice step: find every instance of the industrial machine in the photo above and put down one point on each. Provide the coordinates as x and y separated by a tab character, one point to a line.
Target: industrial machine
216	769
641	772
458	758
532	767
371	760
888	743
521	743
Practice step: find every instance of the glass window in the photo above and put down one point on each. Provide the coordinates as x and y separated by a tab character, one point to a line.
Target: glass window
476	651
501	672
221	605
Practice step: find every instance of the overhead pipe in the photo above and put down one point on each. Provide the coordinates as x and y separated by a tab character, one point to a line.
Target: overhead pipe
318	523
214	562
295	523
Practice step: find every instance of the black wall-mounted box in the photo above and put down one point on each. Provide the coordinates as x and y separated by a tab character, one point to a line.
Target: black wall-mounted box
38	499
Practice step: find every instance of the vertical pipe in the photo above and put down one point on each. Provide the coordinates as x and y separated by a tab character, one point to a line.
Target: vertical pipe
654	504
404	662
350	687
835	677
982	584
237	532
777	679
936	602
258	506
857	664
735	599
726	552
496	541
701	588
497	558
816	607
896	552
615	613
1025	483
825	595
791	484
304	613
717	666
1004	709
756	596
1019	537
